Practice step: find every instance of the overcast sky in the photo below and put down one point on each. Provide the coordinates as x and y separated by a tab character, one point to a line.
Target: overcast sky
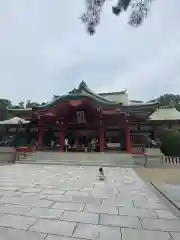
45	50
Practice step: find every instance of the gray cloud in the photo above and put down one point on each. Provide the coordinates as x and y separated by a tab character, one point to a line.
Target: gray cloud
44	50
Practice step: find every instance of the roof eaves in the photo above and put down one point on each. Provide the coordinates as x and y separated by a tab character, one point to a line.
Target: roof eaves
86	89
73	96
19	109
141	104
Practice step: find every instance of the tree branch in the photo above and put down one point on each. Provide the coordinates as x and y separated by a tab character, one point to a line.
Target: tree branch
91	17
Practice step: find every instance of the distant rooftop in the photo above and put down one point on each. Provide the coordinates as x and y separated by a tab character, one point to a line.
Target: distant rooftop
165	113
112	93
135	101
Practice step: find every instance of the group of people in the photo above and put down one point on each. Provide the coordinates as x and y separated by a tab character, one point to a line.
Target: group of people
91	144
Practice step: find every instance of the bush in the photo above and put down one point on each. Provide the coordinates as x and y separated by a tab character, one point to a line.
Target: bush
170	143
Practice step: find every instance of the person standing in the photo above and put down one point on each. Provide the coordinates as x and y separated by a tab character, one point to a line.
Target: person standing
66	144
101	174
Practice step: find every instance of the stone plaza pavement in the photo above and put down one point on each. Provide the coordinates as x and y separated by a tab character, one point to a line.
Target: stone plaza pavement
69	203
172	193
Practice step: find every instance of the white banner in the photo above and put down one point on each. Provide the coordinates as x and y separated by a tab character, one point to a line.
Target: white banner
80	116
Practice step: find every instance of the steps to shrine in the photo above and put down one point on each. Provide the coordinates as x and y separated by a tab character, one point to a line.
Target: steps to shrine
86	159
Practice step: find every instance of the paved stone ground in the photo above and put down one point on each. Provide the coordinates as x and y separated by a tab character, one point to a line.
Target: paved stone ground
69	203
171	191
160	175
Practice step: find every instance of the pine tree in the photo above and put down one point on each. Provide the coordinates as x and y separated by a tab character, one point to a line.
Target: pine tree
91	17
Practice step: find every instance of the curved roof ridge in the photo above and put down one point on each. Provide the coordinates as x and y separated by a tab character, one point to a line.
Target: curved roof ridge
75	96
83	87
92	93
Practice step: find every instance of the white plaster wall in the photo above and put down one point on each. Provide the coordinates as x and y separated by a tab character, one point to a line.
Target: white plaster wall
120	97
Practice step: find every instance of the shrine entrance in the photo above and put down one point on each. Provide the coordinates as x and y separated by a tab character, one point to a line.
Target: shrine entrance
82	140
79	140
82	130
74	126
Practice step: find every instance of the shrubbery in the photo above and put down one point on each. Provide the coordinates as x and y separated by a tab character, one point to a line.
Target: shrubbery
170	143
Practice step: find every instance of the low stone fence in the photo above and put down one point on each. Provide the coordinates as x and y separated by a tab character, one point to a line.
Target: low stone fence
155	159
170	160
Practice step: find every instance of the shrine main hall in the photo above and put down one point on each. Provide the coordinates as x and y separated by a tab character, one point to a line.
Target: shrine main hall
109	120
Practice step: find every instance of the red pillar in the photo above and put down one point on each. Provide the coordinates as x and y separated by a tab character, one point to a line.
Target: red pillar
101	142
40	136
128	138
62	137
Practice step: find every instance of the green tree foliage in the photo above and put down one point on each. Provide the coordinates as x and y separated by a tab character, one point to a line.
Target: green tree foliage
3	111
92	16
168	100
6	102
170	143
21	104
43	103
15	107
31	104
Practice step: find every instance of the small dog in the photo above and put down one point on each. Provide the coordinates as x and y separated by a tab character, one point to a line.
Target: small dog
101	174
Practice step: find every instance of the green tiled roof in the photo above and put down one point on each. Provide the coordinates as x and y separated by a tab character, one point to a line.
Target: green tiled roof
19	109
81	93
83	88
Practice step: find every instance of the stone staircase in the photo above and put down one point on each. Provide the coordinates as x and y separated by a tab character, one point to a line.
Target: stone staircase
78	159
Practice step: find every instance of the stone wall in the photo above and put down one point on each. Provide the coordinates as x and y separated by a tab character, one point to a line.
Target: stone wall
7	155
